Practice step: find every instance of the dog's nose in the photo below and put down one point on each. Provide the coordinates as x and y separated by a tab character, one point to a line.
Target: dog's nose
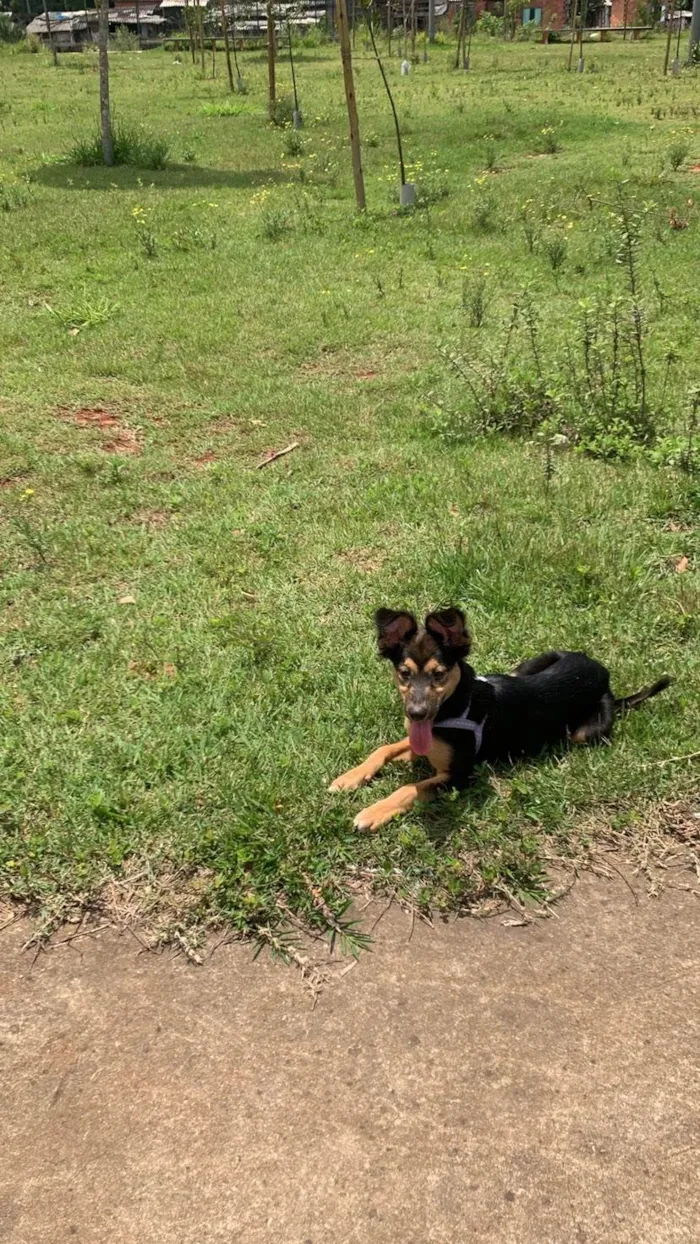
417	712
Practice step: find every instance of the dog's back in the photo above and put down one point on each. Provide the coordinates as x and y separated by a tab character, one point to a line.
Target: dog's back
546	700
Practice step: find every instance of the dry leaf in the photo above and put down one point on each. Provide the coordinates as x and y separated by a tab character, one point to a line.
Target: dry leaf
681	565
169	670
126	600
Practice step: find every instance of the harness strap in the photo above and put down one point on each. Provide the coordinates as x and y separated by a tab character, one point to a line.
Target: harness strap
465	722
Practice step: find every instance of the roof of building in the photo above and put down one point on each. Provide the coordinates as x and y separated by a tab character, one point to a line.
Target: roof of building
59	21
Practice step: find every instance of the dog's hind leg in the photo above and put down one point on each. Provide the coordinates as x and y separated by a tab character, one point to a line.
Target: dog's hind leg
598	726
370	767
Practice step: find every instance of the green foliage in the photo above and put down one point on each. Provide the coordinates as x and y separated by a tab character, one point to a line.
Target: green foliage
10	32
125	40
132	145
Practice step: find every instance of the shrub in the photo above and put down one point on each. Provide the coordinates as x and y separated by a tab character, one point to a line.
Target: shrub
9	32
282	113
677	154
132	145
125	40
489	24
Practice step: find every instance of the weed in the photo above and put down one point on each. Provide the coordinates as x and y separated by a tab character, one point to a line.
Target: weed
293	142
85	312
474	301
677	154
549	143
555	248
13	196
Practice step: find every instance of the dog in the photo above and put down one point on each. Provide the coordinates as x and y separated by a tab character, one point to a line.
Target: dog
458	719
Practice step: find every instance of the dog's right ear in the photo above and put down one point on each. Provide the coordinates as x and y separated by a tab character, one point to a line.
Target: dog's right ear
394	631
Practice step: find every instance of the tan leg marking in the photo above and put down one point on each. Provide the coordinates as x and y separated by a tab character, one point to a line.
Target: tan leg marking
371	766
400	801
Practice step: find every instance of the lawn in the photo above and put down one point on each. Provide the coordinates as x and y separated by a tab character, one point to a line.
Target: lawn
186	641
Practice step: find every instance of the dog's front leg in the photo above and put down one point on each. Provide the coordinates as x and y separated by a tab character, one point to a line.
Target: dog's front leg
370	767
400	801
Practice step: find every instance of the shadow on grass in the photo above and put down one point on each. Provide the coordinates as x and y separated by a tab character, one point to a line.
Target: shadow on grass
174	177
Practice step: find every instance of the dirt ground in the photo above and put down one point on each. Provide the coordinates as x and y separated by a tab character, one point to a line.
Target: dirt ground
479	1082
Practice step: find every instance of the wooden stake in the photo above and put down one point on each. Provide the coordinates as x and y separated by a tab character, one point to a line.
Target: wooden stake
351	101
271	60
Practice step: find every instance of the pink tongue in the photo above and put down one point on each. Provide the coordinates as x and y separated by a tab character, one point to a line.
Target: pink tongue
420	736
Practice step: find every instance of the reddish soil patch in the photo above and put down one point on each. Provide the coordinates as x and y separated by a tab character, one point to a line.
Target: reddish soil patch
205	459
123	439
694	168
6	481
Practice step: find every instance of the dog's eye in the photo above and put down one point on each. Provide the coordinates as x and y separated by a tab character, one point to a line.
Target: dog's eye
404	672
439	675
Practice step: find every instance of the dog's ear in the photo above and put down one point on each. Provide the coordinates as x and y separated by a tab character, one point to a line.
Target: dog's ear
449	629
393	631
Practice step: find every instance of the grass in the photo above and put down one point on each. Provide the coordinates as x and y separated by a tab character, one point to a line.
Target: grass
186	645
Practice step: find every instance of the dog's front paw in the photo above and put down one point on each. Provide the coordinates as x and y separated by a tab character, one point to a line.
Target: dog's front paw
352	780
377	814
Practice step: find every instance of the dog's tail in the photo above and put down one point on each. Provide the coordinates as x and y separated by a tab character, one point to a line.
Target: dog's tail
626	702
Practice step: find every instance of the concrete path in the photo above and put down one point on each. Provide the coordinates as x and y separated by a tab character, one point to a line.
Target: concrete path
534	1085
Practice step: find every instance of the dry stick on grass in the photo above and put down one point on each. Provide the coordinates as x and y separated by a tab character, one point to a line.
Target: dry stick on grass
274	454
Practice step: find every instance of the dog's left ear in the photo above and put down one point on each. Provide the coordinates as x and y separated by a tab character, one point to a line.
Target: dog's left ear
448	628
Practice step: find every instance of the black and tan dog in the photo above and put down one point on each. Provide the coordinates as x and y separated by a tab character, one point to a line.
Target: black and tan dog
458	720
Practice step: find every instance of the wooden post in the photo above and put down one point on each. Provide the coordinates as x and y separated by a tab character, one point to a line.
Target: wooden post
388	26
138	21
431	21
625	14
351	101
413	29
227	46
271	60
105	118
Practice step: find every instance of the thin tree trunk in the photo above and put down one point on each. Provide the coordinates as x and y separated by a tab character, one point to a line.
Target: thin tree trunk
200	27
227	47
190	28
138	21
573	33
694	40
671	13
49	32
105	117
460	31
297	110
388	26
413	29
351	101
385	80
431	21
271	60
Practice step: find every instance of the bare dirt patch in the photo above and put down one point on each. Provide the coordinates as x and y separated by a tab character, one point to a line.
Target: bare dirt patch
120	439
365	560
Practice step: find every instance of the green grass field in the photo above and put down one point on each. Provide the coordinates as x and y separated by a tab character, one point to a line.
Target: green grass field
186	647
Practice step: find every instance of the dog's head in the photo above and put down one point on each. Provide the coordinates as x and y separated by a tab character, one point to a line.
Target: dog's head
427	663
